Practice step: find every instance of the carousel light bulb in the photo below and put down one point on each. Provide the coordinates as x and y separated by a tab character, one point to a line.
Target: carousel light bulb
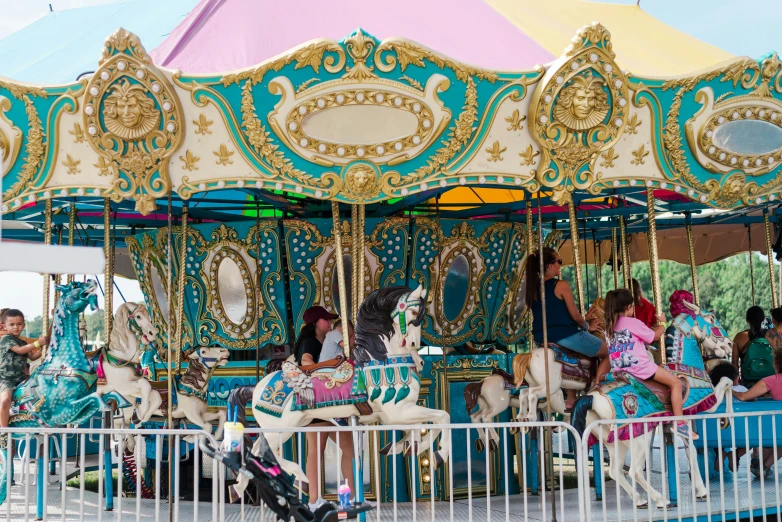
427	478
424	431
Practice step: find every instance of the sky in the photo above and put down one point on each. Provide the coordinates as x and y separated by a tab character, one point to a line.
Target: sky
748	27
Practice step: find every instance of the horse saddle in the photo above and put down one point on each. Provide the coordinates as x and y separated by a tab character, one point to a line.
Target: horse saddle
508	380
575	366
331	364
660	391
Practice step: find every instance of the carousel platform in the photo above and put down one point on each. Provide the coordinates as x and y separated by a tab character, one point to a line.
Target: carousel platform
463	510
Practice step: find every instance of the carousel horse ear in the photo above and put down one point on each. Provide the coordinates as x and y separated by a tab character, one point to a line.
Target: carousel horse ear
190	354
691	306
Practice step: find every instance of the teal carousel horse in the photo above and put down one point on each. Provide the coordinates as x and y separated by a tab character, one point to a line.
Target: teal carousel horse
622	397
62	390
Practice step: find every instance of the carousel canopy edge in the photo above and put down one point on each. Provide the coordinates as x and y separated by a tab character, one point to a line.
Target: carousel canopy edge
363	121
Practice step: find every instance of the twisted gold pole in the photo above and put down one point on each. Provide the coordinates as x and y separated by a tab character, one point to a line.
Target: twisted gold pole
571	210
751	264
598	266
615	258
108	274
530	250
47	239
770	257
362	285
343	298
181	292
625	253
71	231
654	263
169	348
354	259
693	271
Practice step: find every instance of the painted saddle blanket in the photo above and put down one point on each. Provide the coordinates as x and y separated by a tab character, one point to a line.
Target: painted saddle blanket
575	367
634	399
324	386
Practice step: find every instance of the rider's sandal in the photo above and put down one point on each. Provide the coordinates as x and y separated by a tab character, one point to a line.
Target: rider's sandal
684	431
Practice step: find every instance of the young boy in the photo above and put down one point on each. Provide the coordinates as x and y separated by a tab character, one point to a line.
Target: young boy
333	345
14	352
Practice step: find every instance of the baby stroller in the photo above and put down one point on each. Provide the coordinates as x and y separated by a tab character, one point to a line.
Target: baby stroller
276	487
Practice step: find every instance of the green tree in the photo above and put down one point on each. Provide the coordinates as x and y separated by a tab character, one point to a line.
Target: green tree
723	286
34	327
95	326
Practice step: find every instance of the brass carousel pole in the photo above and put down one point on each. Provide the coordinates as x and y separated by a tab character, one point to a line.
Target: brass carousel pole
108	275
542	268
625	253
71	231
354	261
654	263
362	285
693	271
343	297
169	353
181	292
770	256
530	250
615	258
751	263
47	239
598	265
571	210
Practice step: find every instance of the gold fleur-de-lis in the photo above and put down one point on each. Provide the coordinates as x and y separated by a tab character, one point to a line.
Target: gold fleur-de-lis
72	164
495	151
515	120
609	157
103	166
77	133
528	156
632	124
203	125
639	155
223	155
190	161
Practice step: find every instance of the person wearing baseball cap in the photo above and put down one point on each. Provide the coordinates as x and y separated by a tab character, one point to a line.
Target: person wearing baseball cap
317	323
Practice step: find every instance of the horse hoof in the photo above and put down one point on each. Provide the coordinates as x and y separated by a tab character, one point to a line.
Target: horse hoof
644	505
702	498
386	449
513	431
493	446
135	420
479	445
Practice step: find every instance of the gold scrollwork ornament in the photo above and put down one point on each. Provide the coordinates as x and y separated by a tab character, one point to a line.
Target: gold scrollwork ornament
133	118
579	110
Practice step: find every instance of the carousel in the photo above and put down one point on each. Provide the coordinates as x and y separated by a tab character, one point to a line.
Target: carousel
341	172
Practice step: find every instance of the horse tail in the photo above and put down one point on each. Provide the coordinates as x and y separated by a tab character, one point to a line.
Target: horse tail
520	366
580	408
471	394
237	401
274	365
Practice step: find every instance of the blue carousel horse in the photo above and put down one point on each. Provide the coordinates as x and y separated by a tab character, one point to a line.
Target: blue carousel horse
62	390
622	397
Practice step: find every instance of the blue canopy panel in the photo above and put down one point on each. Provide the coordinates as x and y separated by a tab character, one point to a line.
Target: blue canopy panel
63	44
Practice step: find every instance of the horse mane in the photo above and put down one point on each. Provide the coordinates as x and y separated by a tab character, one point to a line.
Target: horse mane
196	373
374	323
120	329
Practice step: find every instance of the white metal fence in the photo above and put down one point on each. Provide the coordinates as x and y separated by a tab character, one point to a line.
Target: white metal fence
525	471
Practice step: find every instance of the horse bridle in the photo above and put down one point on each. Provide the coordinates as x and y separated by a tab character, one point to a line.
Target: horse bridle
401	312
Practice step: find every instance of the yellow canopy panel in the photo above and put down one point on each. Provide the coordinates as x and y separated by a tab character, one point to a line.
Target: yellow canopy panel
643	44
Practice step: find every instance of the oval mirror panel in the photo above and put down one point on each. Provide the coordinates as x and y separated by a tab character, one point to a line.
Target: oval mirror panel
360	124
230	288
456	288
748	137
348	261
519	305
160	290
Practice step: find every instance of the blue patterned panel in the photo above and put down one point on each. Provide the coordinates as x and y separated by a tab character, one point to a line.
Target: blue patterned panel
309	247
508	310
226	304
387	243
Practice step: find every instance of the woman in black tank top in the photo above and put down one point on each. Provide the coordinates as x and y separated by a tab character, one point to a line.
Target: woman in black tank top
565	325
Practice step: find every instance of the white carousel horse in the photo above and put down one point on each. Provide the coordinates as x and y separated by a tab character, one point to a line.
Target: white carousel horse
133	333
619	397
388	329
190	390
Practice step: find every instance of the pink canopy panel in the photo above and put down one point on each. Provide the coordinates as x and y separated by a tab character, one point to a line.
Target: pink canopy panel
224	35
